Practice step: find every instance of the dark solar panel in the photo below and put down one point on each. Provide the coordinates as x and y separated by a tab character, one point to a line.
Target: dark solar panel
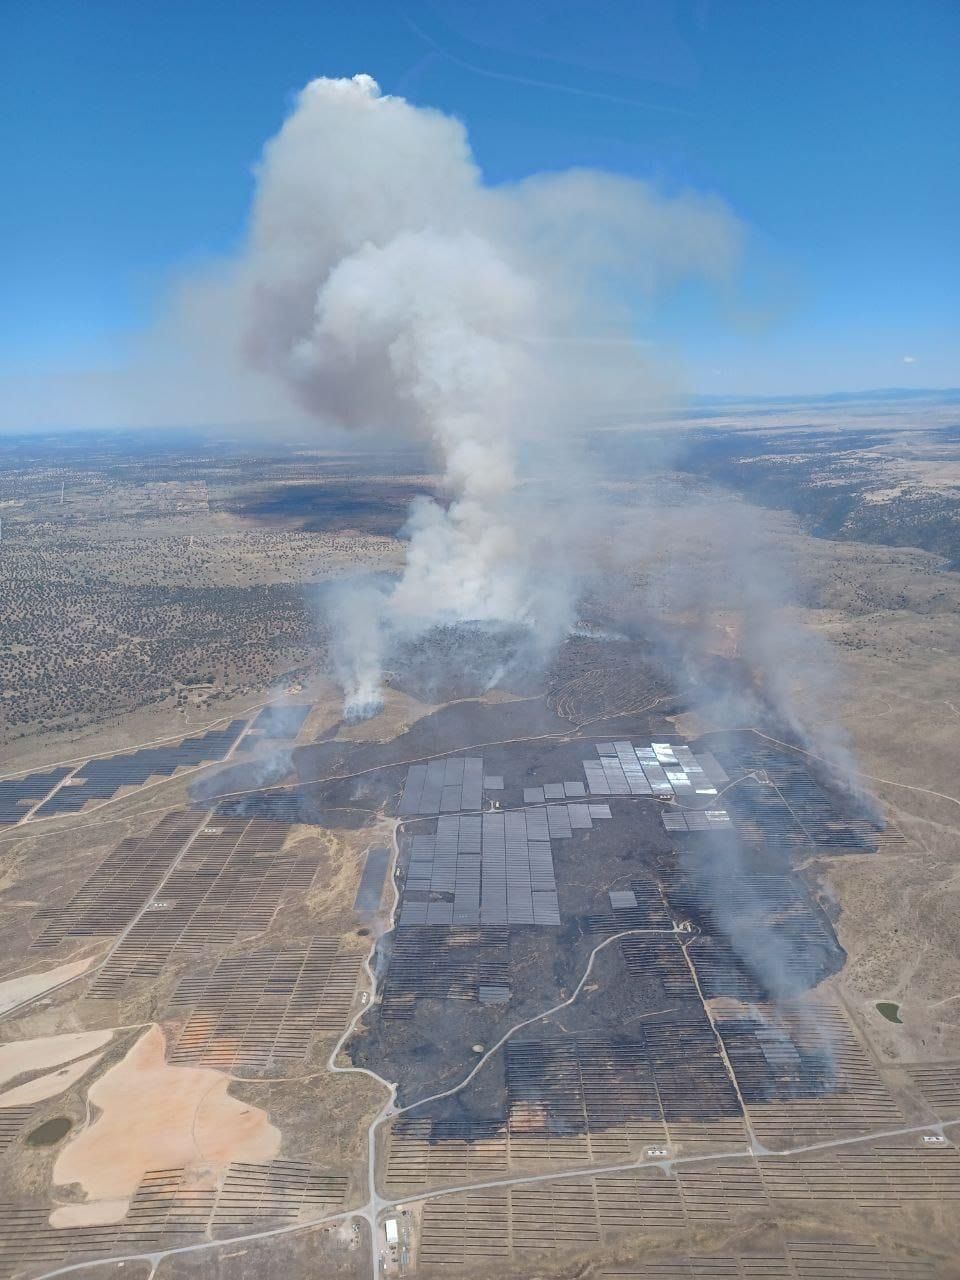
18	795
283	721
102	778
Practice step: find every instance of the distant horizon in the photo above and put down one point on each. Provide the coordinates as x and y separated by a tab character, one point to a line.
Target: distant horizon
254	431
891	392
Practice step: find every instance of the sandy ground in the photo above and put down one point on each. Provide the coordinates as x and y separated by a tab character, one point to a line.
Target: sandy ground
48	1086
97	1213
155	1116
14	990
154	724
48	1051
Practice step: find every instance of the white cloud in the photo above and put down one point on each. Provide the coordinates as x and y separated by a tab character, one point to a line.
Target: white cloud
909	359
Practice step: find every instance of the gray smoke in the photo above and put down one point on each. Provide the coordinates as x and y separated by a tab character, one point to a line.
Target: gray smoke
356	643
715	575
387	287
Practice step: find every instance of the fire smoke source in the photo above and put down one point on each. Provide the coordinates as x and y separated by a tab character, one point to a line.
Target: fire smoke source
389	288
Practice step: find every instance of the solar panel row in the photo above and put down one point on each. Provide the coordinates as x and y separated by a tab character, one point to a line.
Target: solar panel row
622	769
443	786
102	778
553	791
496	870
284	720
260	1010
230	882
17	795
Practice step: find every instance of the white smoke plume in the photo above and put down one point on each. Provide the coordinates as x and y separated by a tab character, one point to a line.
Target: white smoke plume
388	287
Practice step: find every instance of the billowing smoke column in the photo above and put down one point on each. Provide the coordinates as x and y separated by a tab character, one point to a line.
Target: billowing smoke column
390	289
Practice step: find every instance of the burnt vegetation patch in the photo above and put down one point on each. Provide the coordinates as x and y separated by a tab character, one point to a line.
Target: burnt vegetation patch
372	506
708	916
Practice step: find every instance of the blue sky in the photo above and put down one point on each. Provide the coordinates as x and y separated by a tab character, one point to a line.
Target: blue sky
130	132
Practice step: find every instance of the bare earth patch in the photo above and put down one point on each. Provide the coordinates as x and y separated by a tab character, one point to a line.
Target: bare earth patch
96	1213
48	1086
48	1051
156	1116
15	990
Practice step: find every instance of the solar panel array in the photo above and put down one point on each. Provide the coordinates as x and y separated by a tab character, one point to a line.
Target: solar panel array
228	883
553	791
18	795
795	809
660	769
261	1010
764	821
374	874
13	1120
284	720
871	1177
939	1085
443	786
661	960
696	820
436	962
274	1193
579	1099
163	1212
486	1227
127	878
814	1260
802	1073
572	1214
480	1225
742	913
581	1083
642	906
102	778
493	868
490	869
167	1211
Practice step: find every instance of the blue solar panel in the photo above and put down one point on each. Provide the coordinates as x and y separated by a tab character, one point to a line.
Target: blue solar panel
102	778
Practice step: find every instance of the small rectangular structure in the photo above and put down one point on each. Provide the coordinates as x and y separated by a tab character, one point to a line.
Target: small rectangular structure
580	819
558	821
620	898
